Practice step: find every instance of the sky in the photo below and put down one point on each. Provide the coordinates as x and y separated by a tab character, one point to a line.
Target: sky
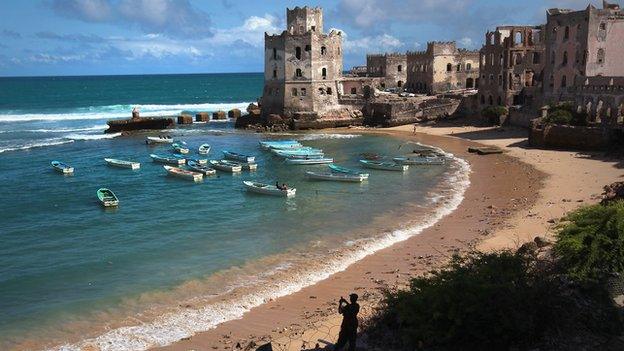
107	37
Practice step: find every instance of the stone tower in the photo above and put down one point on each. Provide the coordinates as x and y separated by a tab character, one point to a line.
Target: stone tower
302	66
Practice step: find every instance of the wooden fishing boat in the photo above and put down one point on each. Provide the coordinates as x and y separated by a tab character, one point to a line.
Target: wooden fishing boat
267	189
161	139
62	167
238	157
280	144
107	197
386	166
420	160
183	173
308	161
226	166
204	149
244	165
337	177
196	167
299	152
122	163
201	161
168	160
339	169
302	156
180	147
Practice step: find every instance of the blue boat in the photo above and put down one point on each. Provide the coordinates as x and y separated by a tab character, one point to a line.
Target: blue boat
62	167
339	169
168	160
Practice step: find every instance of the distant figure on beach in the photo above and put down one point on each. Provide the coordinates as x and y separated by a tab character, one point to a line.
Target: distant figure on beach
414	128
348	328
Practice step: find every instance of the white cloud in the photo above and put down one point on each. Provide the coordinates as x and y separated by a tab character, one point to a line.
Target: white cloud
250	32
369	44
466	42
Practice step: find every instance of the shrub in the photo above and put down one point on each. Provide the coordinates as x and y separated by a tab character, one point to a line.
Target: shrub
565	114
559	117
494	113
591	244
493	301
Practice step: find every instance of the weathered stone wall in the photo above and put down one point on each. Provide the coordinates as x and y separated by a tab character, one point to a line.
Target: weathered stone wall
391	67
602	98
394	113
568	137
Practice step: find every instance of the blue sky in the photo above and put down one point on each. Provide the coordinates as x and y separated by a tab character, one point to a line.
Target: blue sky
82	37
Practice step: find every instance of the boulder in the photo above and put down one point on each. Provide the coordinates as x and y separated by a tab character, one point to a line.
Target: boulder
612	192
185	119
202	117
541	242
274	119
529	248
219	115
234	113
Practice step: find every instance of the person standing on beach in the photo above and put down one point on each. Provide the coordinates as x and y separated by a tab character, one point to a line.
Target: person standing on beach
348	328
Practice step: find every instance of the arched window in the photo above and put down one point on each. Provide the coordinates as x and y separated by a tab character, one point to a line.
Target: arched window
449	67
304	92
564	81
468	67
490	100
600	56
274	53
399	84
482	99
329	91
498	101
298	53
566	33
517	38
324	72
536	58
274	73
294	91
323	50
399	68
298	72
564	62
459	67
469	83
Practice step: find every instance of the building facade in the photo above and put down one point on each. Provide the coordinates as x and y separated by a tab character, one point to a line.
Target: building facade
391	67
441	68
302	66
584	43
512	64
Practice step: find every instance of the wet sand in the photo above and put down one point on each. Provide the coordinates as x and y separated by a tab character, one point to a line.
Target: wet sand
504	190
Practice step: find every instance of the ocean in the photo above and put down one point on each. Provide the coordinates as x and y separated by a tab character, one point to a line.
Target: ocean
176	257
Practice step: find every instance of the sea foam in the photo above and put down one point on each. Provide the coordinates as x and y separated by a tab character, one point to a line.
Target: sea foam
174	326
36	144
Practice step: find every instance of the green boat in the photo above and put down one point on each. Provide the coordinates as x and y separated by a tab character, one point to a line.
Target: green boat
107	197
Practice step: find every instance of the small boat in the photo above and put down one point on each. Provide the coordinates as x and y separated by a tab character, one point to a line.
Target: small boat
339	169
302	156
338	177
204	149
180	147
244	165
280	144
168	160
420	160
183	173
123	164
238	157
267	189
201	161
205	170
386	166
161	139
107	197
308	161
226	166
62	167
299	152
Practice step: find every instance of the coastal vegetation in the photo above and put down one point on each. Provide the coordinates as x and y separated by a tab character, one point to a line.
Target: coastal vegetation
494	113
565	114
535	297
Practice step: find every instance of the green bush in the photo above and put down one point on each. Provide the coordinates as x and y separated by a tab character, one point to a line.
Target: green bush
559	117
492	301
591	244
565	114
493	113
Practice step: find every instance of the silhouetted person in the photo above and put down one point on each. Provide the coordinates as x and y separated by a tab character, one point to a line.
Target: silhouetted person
348	328
278	186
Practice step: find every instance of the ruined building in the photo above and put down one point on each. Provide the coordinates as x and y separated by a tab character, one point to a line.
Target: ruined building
441	68
586	47
512	62
302	67
392	68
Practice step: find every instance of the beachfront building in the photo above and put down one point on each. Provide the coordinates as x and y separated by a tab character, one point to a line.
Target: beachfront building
441	68
585	47
302	66
391	67
512	62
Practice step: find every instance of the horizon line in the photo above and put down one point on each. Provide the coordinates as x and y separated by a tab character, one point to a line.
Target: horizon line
121	75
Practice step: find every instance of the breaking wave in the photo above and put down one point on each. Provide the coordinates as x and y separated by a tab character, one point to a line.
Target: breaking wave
91	136
99	127
183	323
319	136
37	144
118	111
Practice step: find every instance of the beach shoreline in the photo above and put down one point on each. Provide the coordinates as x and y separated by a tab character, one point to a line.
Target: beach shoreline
303	318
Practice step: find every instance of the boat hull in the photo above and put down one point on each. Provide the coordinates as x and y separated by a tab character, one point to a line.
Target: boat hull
62	168
225	167
311	161
158	140
384	166
107	198
168	160
266	189
420	161
239	157
337	177
184	174
122	163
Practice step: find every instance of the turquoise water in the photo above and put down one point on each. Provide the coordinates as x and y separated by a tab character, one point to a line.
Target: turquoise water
64	259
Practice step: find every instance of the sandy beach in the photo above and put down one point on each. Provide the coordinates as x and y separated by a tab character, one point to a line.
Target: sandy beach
512	198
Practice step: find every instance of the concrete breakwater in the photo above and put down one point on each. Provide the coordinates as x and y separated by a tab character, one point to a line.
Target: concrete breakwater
136	122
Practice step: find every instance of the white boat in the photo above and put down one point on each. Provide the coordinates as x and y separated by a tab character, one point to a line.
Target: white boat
196	167
386	166
238	157
122	163
339	169
162	139
267	189
204	149
183	173
420	160
280	144
168	160
201	161
180	147
62	167
308	161
338	177
244	165
299	152
226	166
302	156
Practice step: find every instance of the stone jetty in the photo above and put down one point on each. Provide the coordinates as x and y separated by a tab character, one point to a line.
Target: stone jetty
138	123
